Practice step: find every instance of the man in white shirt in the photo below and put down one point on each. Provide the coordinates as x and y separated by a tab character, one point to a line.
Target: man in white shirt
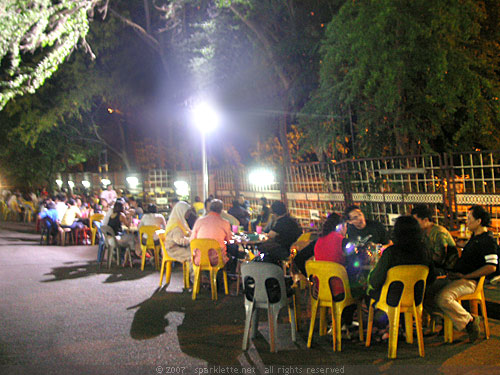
61	206
109	194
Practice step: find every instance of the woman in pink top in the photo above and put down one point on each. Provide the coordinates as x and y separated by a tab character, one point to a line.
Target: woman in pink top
329	245
329	248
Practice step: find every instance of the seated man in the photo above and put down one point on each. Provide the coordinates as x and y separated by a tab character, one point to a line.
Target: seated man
263	217
49	216
438	240
359	228
215	227
479	258
284	232
70	217
240	214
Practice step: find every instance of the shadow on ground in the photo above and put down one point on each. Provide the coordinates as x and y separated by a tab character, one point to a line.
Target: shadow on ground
206	329
75	270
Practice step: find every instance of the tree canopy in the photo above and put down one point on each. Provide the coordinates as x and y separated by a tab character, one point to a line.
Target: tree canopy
403	76
36	36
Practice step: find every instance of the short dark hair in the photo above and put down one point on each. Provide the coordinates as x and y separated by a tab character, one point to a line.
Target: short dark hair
236	203
278	208
263	200
478	212
216	206
152	209
71	201
422	211
349	209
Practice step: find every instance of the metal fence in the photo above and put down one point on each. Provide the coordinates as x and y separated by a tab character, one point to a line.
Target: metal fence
384	187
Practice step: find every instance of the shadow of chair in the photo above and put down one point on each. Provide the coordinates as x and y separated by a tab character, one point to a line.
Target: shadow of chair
264	288
403	291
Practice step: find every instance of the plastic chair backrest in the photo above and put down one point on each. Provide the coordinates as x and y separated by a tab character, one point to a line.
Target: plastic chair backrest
162	236
304	237
260	275
301	242
149	231
95	217
412	277
325	271
109	236
478	293
210	253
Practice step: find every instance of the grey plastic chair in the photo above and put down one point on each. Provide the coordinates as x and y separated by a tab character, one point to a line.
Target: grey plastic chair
112	247
261	282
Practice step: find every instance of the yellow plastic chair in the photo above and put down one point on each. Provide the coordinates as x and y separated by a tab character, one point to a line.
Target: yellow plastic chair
93	230
408	302
323	272
167	261
5	210
149	232
29	211
477	296
204	247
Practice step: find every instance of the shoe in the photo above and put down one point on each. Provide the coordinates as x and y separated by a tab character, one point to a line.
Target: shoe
473	329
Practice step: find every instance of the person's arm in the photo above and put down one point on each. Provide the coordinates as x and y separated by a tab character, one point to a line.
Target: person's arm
483	271
124	219
178	237
377	276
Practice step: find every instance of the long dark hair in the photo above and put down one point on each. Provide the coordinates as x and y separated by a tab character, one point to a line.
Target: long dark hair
408	235
330	224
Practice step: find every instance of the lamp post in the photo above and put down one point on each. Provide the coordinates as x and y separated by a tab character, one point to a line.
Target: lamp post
205	119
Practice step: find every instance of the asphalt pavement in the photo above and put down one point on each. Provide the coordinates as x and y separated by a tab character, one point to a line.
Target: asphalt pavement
62	314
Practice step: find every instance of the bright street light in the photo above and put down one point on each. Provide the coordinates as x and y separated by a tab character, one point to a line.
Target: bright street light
261	177
86	184
206	119
132	181
105	181
181	188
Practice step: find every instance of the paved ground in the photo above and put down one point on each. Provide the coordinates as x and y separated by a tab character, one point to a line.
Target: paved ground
60	314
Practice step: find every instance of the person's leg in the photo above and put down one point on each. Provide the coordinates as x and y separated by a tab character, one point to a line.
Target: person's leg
303	256
447	301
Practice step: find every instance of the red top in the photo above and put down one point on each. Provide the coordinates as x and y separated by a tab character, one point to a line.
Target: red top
329	248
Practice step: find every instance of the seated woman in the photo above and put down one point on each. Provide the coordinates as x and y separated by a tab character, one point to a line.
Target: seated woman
408	248
178	232
116	221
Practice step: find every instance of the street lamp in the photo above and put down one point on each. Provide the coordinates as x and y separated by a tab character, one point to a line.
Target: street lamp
205	119
261	177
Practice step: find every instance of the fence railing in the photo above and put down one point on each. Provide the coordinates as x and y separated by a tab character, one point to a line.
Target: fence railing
383	187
